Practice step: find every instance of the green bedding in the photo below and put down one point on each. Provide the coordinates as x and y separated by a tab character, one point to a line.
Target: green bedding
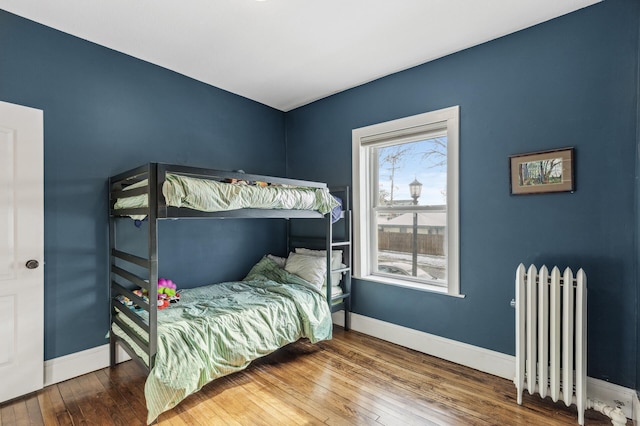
212	196
219	329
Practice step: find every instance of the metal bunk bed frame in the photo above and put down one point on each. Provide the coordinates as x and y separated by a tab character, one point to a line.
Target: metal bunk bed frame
157	209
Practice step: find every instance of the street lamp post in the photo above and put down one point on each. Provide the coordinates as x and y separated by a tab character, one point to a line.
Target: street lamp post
415	188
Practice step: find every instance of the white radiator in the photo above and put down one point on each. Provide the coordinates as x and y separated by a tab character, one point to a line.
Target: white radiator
551	335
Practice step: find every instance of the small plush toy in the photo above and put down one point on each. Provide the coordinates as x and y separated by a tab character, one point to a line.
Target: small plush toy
141	293
166	287
167	293
125	301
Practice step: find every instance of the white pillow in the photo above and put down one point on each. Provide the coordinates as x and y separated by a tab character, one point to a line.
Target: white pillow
281	261
310	268
336	262
335	290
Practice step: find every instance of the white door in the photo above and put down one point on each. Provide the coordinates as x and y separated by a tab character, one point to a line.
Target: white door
21	251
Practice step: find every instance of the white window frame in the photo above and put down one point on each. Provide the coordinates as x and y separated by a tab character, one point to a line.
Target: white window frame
363	140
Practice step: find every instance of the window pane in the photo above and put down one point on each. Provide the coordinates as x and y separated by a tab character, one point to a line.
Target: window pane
411	244
396	238
401	164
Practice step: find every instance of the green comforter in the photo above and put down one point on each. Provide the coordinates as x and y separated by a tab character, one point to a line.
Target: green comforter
212	196
219	329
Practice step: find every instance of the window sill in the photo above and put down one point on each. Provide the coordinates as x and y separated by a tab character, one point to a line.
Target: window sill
429	288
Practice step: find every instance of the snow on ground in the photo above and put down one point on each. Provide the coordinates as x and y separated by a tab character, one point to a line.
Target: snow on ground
434	266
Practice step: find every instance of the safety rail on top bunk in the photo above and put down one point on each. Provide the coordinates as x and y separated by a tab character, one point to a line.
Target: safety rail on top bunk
156	175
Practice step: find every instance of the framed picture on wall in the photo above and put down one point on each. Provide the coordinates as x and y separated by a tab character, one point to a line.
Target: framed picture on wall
541	172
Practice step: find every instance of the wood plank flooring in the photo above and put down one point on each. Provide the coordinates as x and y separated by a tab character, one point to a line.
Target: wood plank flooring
351	380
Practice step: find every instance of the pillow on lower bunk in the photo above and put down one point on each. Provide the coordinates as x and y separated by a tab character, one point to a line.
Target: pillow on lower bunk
335	290
267	269
336	262
310	268
281	261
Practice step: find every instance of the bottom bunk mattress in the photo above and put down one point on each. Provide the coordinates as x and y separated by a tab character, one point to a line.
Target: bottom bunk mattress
219	329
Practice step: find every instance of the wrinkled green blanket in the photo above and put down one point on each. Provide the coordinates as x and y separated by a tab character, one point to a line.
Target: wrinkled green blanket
219	329
212	196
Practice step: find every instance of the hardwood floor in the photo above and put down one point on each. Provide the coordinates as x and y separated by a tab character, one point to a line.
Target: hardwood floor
352	379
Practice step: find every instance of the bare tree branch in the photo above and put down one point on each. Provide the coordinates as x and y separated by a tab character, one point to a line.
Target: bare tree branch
392	157
437	153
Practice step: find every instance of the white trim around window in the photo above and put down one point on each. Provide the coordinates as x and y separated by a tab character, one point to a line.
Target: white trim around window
412	128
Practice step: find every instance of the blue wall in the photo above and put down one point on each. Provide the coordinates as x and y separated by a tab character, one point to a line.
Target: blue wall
105	113
572	81
568	82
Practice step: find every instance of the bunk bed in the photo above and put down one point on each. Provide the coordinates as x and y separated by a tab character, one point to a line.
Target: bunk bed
206	318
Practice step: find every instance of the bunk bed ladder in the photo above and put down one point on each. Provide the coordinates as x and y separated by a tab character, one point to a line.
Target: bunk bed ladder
334	238
153	260
123	268
343	242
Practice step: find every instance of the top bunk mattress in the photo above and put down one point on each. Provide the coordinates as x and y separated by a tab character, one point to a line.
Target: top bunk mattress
208	195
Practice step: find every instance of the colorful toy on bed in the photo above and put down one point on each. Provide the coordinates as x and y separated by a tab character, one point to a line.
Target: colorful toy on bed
125	301
166	287
142	294
167	293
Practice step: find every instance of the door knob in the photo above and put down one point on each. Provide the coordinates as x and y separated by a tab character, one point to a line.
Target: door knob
32	264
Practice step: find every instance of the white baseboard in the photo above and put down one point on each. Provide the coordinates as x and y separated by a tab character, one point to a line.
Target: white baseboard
636	409
67	367
485	360
478	358
613	395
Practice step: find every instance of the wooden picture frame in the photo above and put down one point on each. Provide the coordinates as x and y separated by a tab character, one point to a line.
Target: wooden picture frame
542	172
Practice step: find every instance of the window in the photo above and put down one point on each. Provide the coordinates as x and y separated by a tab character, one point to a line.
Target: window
405	181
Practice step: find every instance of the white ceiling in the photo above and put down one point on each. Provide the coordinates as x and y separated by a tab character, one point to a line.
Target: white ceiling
287	53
